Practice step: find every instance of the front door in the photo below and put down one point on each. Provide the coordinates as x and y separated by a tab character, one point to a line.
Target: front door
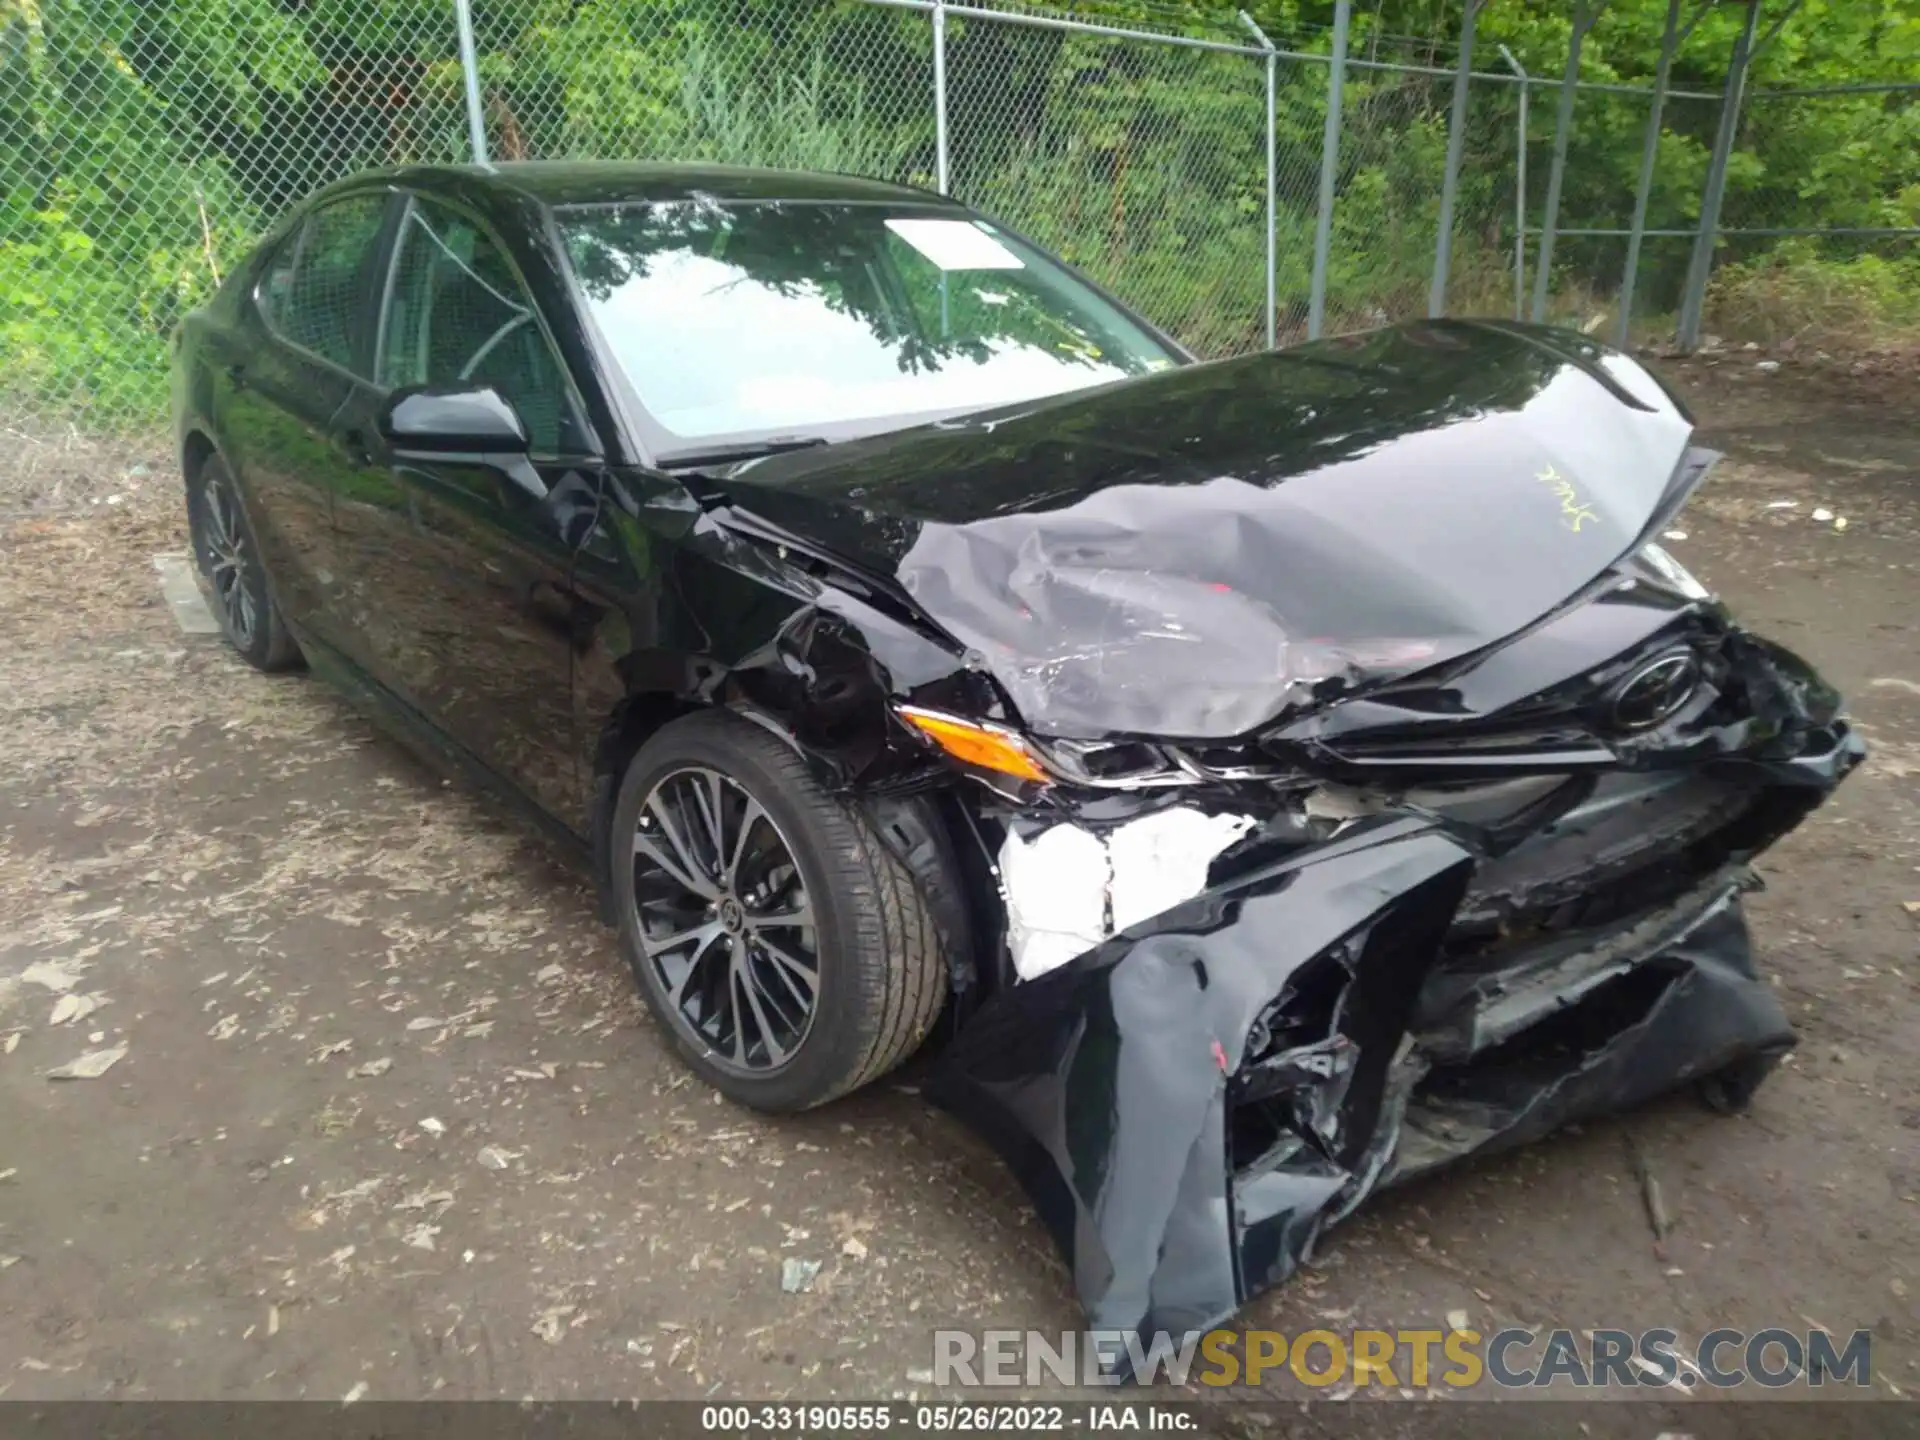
460	579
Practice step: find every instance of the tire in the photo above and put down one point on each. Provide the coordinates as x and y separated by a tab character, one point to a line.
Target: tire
879	979
231	571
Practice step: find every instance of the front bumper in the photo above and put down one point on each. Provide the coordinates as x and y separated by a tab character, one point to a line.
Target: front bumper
1191	1103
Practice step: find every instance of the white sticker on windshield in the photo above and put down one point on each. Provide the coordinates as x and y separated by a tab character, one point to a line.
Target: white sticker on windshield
956	244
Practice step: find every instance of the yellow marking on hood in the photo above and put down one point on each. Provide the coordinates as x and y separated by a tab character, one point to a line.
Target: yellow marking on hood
1574	512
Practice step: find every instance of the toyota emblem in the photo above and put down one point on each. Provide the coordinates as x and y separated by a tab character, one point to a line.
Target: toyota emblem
1656	691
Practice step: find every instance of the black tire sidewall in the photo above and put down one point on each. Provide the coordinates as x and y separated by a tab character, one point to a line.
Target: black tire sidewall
835	1045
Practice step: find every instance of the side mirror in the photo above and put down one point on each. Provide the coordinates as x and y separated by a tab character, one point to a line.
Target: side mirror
477	427
436	421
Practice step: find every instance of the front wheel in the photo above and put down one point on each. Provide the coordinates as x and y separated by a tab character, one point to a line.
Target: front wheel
786	948
234	579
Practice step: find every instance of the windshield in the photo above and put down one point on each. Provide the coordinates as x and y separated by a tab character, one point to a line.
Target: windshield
736	322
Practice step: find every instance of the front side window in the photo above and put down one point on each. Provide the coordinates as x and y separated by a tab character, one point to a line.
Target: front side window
316	288
753	320
457	315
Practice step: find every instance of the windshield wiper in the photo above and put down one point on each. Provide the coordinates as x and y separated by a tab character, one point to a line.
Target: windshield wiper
734	454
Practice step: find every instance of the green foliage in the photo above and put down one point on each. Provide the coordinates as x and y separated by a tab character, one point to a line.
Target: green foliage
111	225
1794	292
143	143
77	332
813	120
1141	165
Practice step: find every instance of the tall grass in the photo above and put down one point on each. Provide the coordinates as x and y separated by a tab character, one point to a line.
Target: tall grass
1795	293
815	119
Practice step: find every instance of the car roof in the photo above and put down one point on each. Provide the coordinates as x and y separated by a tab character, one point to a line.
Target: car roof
601	182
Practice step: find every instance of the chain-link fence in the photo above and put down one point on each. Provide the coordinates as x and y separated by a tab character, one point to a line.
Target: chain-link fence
1395	115
1819	237
1142	163
145	143
143	147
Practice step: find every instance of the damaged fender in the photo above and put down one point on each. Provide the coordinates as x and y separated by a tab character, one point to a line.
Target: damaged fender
1106	1084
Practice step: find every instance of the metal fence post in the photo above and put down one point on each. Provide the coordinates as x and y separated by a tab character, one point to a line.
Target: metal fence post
1670	43
1273	181
1329	168
1583	17
1694	298
1519	191
1456	146
941	177
470	72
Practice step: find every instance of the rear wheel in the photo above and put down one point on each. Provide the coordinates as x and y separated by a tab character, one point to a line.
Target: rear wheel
786	948
229	561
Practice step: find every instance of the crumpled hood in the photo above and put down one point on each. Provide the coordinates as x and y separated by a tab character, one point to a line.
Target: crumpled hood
1197	552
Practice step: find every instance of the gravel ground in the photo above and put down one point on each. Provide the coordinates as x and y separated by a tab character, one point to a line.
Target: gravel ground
390	1120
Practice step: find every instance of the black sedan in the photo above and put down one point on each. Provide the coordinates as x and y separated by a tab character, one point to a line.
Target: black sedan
1265	779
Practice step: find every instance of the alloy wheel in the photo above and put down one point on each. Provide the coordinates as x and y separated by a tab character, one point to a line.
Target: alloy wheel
225	559
725	920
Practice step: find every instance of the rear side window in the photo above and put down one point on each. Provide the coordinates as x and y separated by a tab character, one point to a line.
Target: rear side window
317	290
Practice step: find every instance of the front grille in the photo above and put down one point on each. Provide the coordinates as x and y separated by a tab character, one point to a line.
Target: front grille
1575	875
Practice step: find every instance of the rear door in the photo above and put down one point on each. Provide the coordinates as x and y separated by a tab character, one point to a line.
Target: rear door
460	580
305	346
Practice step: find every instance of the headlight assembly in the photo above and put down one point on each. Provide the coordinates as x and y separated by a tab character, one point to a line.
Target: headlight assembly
1098	764
1090	764
1659	560
977	742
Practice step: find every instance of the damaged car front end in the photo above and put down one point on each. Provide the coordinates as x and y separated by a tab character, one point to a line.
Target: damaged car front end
1404	953
1355	783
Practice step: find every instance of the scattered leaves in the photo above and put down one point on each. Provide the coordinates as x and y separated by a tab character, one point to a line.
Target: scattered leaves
90	1066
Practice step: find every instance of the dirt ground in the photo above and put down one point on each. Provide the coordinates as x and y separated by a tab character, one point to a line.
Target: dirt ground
390	1119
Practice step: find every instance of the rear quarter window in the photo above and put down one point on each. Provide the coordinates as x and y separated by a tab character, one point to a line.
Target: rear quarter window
318	290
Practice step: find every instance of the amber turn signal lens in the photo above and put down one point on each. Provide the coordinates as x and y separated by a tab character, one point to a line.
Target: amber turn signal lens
987	746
